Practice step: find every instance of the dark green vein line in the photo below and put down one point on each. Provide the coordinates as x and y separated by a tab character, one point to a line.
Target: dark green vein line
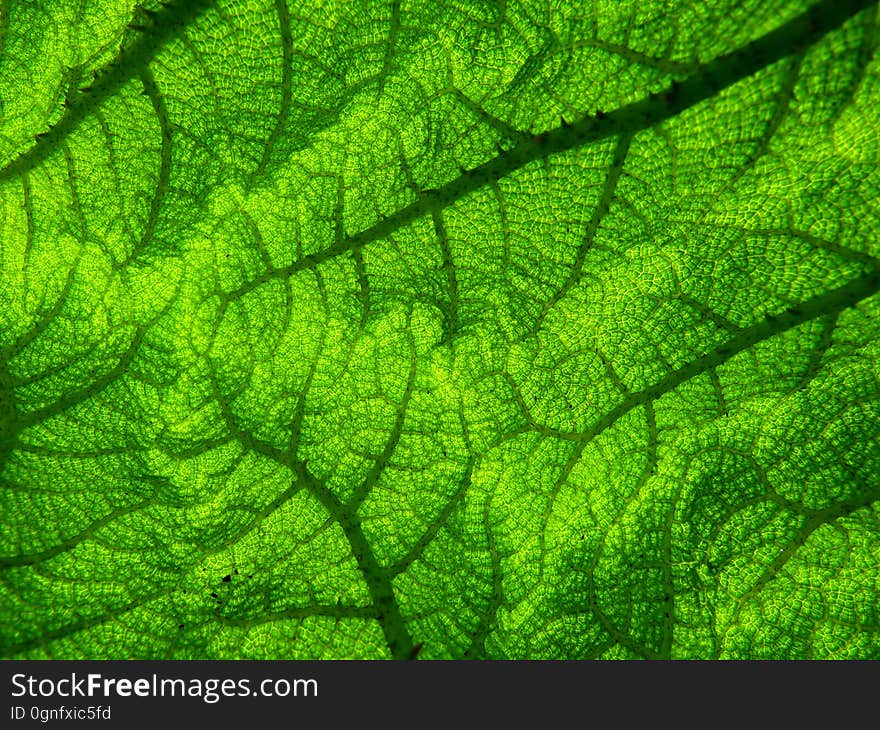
418	548
379	585
593	609
62	632
667	640
721	408
378	581
301	612
14	561
283	13
113	169
381	460
823	305
393	32
4	24
866	53
615	170
78	396
71	180
795	36
451	316
707	314
28	202
824	343
44	319
477	648
506	131
299	411
785	97
817	519
360	270
9	428
633	56
159	28
151	90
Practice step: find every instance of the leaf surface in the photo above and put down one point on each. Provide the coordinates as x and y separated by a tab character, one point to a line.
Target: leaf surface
457	329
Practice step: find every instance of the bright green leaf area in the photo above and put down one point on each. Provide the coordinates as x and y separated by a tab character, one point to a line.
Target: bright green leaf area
458	329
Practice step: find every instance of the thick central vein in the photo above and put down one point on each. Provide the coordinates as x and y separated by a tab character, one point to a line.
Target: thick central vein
708	81
158	29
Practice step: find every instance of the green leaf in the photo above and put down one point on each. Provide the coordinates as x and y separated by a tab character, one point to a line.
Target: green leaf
468	329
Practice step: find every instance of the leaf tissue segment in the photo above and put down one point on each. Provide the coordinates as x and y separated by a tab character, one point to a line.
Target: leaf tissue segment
440	330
